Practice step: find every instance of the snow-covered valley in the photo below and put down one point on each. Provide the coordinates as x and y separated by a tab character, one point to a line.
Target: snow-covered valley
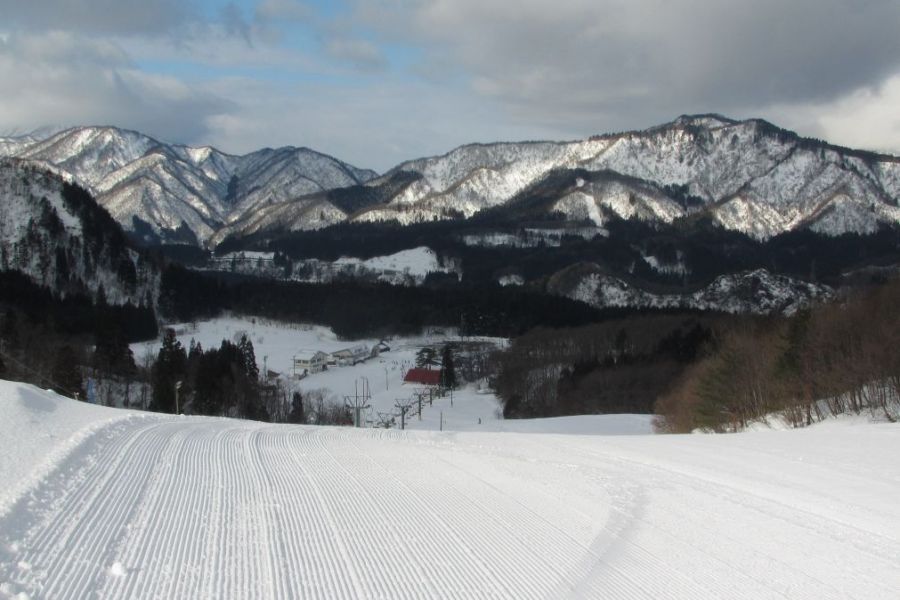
115	504
474	407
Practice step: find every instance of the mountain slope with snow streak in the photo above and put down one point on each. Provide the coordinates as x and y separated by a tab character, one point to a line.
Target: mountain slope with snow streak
163	507
750	176
756	292
57	236
181	193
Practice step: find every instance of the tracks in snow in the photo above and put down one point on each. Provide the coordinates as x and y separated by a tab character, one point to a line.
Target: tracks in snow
179	508
213	508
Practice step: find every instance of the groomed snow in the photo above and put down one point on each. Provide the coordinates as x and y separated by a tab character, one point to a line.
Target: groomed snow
416	262
191	507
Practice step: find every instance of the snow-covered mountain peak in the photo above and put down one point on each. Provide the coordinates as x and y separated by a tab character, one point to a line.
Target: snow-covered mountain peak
706	121
168	186
90	153
750	176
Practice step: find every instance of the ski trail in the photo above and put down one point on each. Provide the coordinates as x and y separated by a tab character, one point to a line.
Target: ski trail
167	507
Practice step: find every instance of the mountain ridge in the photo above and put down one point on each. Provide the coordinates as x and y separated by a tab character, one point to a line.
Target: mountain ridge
167	186
748	175
55	234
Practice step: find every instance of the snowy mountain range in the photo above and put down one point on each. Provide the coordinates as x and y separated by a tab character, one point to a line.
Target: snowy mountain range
164	192
748	176
55	234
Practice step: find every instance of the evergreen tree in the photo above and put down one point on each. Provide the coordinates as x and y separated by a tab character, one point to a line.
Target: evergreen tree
448	371
426	357
195	351
66	374
112	354
249	358
9	331
209	384
297	414
170	367
232	190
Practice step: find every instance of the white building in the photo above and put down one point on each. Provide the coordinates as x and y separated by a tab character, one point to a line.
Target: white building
351	356
309	361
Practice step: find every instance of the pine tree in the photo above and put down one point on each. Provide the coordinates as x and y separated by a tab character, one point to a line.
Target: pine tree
112	354
448	371
9	331
426	357
249	356
170	367
297	414
66	374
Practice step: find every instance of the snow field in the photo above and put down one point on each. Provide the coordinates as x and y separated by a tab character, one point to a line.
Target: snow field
38	429
280	342
473	408
163	506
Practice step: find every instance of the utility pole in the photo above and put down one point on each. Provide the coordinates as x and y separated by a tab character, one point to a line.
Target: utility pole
420	395
403	405
358	402
177	388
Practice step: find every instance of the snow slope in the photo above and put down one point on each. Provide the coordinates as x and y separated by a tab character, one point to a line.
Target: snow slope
43	235
38	428
751	176
275	345
178	192
168	507
406	267
757	292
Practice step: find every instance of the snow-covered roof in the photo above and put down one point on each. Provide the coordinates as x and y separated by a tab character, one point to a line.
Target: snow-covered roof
307	355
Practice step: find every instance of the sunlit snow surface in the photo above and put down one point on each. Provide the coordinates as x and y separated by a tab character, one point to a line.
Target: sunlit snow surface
125	506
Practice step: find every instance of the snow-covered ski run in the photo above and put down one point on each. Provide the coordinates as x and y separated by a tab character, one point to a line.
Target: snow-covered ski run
182	507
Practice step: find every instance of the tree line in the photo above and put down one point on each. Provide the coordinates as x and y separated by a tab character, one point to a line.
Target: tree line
221	381
56	342
357	309
618	366
714	372
833	359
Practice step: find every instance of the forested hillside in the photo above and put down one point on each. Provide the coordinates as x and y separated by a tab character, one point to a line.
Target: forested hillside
715	372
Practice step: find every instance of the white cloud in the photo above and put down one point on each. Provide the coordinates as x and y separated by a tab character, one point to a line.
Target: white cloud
375	126
482	70
64	79
584	64
867	118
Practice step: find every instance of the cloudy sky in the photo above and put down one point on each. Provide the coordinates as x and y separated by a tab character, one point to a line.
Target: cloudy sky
375	82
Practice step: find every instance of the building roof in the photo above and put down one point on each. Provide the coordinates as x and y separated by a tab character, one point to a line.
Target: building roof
423	376
308	355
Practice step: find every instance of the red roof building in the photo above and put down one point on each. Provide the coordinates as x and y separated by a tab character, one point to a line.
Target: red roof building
423	376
